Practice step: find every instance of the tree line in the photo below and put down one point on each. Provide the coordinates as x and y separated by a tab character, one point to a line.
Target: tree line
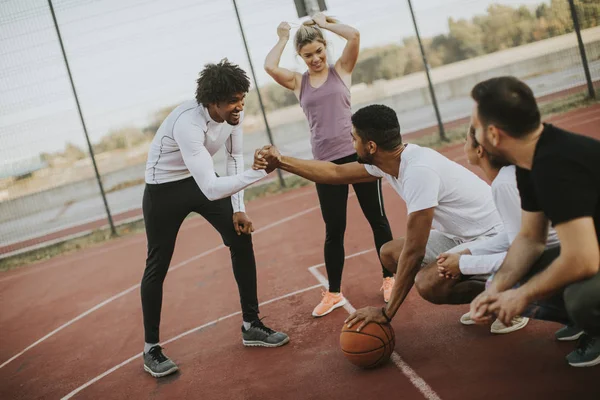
501	27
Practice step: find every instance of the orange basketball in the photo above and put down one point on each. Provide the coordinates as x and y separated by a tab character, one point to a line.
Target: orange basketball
370	347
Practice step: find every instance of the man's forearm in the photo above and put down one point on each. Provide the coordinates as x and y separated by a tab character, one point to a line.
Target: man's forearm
520	258
408	267
560	273
313	170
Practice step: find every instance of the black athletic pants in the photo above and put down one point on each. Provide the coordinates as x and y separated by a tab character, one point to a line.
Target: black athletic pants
165	206
578	304
334	201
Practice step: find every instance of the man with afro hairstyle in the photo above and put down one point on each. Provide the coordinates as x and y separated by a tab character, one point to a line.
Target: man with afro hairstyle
180	179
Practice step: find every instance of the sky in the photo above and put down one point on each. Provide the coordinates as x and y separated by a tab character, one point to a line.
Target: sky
130	58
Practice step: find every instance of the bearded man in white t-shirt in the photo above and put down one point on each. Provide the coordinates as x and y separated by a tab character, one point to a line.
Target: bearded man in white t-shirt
438	192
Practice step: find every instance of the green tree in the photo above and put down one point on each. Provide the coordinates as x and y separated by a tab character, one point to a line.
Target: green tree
465	40
588	12
501	27
157	118
123	138
73	152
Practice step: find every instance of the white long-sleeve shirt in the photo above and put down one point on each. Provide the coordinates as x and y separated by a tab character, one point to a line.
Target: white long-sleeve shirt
184	145
488	255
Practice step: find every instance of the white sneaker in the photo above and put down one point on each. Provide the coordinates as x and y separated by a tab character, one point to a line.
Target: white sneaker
517	323
465	319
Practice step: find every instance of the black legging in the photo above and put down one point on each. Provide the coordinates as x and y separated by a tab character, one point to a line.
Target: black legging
165	206
577	304
334	201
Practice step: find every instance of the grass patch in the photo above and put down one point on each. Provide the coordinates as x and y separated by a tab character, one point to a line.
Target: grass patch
567	103
291	182
453	136
127	184
96	237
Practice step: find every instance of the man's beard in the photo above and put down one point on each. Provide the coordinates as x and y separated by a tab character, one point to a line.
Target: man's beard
367	159
497	157
231	122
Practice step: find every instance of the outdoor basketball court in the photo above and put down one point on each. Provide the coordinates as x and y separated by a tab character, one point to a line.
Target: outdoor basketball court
71	327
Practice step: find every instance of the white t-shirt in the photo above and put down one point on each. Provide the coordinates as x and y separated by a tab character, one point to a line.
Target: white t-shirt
463	203
488	255
184	145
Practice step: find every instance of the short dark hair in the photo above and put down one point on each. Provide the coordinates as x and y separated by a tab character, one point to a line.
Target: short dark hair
219	82
507	103
378	123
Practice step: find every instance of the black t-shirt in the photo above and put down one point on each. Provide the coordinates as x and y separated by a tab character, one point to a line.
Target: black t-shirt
564	181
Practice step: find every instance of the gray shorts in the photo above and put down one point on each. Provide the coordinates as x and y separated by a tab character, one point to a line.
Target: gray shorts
441	243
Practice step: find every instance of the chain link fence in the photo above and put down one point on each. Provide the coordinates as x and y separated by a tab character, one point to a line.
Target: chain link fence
134	61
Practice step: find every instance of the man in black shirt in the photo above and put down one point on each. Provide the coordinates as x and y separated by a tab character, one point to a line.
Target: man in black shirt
558	175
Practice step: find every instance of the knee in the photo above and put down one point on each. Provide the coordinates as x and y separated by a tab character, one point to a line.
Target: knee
334	232
388	257
157	263
153	276
239	242
429	289
378	222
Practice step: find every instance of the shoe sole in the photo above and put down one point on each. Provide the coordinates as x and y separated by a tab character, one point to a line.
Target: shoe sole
337	305
161	374
591	363
258	343
511	328
570	338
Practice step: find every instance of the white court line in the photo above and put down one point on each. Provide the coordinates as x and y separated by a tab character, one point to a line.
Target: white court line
93	252
126	291
198	328
57	263
60	328
412	376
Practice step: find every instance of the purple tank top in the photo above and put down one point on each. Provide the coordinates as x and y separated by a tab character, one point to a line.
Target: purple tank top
328	111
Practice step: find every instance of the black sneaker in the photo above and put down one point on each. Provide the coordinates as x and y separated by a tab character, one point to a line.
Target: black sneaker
259	335
568	333
587	352
157	364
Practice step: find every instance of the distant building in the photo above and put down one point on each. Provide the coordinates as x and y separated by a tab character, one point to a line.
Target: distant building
22	168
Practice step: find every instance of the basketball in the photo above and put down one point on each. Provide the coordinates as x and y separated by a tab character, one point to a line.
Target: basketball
369	348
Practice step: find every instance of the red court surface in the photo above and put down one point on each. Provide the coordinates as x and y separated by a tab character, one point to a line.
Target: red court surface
78	318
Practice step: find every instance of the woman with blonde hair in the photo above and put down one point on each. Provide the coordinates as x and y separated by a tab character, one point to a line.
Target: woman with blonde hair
324	94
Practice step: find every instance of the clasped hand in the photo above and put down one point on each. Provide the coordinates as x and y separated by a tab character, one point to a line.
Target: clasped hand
267	158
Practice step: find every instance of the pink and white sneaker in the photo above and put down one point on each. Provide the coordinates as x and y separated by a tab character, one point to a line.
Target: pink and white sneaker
388	285
330	302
